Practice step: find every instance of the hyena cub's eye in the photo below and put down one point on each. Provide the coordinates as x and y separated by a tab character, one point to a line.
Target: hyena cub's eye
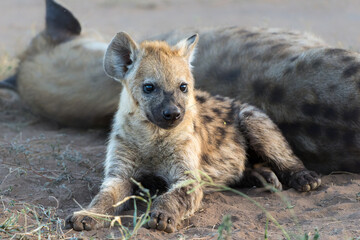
148	88
184	87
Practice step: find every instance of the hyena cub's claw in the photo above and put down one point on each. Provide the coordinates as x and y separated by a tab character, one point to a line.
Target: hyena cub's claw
80	222
267	177
305	181
274	181
162	221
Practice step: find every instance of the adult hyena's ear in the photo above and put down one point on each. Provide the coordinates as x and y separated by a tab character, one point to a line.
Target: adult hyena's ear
187	46
120	56
61	25
9	83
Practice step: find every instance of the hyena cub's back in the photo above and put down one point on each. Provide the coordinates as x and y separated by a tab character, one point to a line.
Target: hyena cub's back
165	128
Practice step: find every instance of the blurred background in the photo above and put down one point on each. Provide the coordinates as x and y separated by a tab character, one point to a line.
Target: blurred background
333	20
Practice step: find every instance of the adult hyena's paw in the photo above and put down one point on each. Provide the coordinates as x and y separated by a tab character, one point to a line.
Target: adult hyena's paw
79	221
305	181
162	221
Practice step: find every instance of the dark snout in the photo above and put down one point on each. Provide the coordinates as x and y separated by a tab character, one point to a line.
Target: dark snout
166	116
171	114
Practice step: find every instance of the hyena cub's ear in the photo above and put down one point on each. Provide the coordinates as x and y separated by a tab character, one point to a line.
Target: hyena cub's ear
61	25
120	56
186	47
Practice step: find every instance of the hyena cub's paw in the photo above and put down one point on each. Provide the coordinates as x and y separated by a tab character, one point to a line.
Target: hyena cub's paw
81	221
305	181
162	221
267	176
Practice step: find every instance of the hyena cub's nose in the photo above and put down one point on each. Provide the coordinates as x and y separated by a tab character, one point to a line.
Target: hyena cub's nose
171	113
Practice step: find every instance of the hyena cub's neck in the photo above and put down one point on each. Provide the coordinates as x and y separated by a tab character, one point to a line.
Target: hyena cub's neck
158	93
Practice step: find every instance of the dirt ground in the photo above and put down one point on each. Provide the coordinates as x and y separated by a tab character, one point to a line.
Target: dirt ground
44	167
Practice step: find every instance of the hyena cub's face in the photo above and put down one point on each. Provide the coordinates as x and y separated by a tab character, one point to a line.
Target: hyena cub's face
162	86
157	76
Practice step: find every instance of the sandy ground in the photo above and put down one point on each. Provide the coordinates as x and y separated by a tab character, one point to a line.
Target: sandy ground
43	167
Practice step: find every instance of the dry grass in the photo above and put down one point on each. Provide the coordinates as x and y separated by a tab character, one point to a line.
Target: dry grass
201	179
28	221
33	160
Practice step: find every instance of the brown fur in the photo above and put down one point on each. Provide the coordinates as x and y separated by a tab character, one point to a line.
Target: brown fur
309	89
212	136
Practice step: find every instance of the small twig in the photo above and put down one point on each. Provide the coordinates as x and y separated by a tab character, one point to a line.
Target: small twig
31	232
57	201
7	175
28	169
90	169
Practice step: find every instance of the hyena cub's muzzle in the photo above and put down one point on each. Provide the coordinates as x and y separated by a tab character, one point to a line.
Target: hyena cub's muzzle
171	113
167	116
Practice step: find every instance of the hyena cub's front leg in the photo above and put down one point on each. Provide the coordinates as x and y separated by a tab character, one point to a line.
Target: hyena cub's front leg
170	208
265	139
112	191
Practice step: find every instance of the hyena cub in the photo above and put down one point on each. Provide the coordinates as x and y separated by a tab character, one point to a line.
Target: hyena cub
164	127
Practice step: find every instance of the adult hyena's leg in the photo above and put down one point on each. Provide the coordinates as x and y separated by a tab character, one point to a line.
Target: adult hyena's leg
112	191
170	208
265	139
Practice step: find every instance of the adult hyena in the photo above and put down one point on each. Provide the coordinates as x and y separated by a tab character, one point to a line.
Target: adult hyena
60	75
165	128
310	90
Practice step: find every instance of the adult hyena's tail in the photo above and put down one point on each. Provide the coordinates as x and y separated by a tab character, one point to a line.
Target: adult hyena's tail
9	83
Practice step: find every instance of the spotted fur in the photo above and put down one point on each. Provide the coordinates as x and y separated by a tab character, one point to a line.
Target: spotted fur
309	89
212	134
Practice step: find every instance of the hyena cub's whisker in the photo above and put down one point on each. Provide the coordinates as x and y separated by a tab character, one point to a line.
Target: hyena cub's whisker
164	129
